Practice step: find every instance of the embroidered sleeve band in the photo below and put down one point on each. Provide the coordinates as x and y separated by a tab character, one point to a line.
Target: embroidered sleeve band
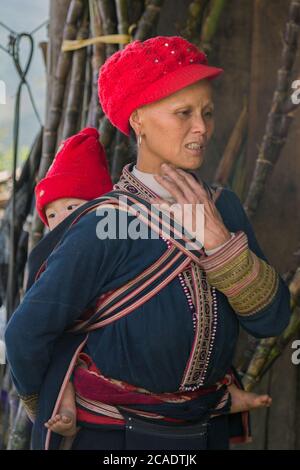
30	403
249	283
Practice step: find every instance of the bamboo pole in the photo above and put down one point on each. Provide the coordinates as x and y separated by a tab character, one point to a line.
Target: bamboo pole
257	363
278	123
269	349
292	103
108	18
290	333
119	154
19	438
58	12
149	19
237	180
108	21
211	23
95	112
12	408
54	113
23	197
122	17
194	20
233	146
43	45
135	11
77	82
87	92
62	70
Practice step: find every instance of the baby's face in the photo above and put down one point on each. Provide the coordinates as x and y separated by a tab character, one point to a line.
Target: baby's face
58	210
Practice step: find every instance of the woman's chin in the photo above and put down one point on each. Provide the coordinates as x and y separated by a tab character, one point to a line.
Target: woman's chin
187	162
192	163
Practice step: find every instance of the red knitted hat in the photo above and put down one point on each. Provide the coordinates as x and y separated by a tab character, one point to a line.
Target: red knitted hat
144	72
79	170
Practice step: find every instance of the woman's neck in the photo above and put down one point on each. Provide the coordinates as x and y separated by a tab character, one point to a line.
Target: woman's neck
148	164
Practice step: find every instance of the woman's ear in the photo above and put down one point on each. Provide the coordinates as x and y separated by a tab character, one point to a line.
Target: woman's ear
135	121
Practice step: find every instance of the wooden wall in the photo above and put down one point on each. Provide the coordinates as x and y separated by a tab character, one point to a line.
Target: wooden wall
248	46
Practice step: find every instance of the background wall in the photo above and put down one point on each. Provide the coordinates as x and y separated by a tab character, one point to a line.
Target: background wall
248	46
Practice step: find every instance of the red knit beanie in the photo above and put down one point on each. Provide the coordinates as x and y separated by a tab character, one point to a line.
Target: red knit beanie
79	170
144	72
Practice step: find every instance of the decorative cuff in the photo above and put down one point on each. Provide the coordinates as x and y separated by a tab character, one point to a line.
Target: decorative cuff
30	403
249	283
212	251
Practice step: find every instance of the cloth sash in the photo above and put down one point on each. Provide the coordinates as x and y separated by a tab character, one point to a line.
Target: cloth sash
115	395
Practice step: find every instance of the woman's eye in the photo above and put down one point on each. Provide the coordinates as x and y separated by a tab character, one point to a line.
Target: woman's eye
185	112
208	114
50	216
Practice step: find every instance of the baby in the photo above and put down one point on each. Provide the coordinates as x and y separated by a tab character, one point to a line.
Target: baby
57	196
79	173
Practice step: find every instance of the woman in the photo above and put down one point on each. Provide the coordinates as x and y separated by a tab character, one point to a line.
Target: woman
154	347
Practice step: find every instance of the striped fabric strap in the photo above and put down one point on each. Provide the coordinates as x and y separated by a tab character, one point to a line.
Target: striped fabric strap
161	224
164	227
127	298
132	295
97	413
249	283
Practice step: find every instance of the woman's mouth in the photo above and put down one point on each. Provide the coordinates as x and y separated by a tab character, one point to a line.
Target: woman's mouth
195	148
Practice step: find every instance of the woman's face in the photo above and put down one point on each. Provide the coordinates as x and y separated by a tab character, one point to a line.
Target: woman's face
175	129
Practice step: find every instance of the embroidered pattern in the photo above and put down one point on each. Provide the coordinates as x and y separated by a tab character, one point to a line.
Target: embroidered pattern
30	403
249	283
201	298
205	324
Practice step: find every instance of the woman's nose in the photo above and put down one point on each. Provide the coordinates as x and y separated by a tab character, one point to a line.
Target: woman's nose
199	125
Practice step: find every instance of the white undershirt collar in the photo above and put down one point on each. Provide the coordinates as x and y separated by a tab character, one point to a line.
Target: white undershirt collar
148	180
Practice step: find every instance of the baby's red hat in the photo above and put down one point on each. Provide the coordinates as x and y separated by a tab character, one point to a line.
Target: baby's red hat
79	170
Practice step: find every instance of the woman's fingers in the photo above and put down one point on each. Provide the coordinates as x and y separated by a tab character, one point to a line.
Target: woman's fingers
178	184
173	188
195	185
192	189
